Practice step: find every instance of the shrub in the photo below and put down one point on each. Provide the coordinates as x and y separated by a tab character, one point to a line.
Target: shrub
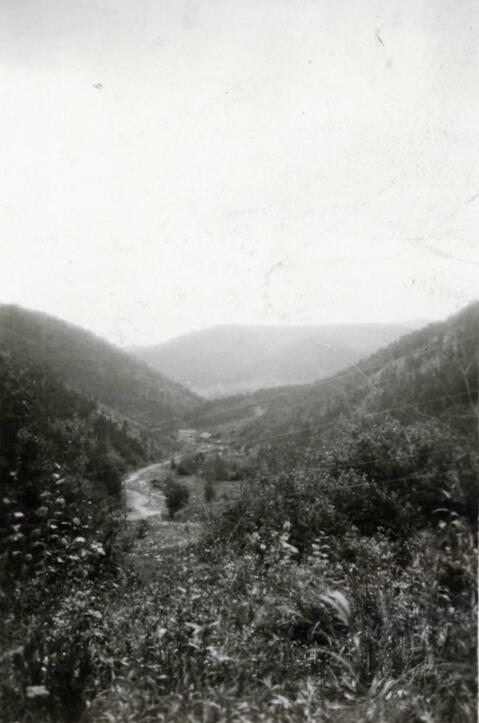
373	476
176	496
188	464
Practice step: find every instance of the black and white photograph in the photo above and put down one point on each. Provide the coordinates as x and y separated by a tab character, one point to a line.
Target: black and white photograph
239	361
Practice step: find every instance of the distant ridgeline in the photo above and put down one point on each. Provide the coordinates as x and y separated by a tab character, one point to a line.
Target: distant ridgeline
227	360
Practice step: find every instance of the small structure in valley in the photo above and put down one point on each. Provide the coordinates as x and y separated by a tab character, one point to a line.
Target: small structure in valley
187	435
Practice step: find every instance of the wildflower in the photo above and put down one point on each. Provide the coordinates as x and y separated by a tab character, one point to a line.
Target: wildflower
37	691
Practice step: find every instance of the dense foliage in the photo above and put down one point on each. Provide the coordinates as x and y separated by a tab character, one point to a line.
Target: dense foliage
378	477
60	471
350	634
61	467
176	496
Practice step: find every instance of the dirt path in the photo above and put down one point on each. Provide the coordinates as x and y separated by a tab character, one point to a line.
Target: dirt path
140	506
161	534
141	499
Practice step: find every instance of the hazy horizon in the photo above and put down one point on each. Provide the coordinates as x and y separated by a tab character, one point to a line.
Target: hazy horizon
174	166
412	323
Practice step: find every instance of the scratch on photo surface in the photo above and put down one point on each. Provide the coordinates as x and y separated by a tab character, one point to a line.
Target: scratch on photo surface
440	252
266	283
378	37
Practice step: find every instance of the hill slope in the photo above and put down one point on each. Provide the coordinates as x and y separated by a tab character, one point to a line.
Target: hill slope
93	367
230	359
432	371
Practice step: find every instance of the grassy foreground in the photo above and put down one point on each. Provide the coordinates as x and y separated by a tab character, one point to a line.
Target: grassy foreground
340	592
210	635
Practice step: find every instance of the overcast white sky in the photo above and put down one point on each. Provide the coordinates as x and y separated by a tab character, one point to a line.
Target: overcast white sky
170	165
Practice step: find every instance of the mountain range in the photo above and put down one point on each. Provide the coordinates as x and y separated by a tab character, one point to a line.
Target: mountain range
227	360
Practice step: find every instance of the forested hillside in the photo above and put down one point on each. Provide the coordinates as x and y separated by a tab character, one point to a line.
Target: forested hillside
58	456
94	368
230	359
432	371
